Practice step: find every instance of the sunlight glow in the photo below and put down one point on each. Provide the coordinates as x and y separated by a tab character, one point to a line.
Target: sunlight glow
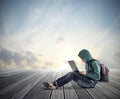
45	34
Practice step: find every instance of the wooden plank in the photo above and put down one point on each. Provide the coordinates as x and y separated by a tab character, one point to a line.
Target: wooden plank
111	89
114	84
15	87
45	93
10	75
38	90
70	92
81	92
58	93
3	75
96	94
116	78
3	71
8	72
28	87
4	82
106	92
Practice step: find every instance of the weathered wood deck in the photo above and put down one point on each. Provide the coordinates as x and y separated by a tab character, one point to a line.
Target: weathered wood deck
23	84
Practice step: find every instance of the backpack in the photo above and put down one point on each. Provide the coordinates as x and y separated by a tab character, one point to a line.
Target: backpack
104	71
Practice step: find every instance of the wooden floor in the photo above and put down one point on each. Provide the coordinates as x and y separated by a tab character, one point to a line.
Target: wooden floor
21	84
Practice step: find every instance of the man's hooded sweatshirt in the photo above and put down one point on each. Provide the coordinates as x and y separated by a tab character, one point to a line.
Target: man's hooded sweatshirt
93	72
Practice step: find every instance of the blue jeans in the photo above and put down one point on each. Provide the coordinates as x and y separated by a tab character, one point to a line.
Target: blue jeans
80	79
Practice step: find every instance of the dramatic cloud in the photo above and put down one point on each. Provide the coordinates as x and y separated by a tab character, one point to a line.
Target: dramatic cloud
10	58
22	60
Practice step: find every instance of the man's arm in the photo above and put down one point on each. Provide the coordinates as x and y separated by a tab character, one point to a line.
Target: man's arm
96	72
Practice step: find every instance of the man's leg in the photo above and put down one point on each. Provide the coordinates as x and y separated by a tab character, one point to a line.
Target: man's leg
75	76
83	81
64	79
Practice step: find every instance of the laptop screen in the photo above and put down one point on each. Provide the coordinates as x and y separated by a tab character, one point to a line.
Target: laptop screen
73	65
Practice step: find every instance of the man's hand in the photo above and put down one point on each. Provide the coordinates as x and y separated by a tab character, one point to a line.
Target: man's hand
83	72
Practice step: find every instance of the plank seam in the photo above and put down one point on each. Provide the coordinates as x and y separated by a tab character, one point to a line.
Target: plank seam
90	93
63	92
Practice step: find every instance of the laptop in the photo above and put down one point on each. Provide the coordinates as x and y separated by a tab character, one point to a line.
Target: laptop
73	65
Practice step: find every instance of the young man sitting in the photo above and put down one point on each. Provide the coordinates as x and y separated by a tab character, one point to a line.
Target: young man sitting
86	79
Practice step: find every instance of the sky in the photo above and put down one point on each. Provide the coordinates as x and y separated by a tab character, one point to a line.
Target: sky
45	34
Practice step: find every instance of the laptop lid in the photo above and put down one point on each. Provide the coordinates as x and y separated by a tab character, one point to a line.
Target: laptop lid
73	65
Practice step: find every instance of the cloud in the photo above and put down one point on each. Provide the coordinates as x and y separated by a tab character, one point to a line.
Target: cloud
9	58
47	64
60	39
23	60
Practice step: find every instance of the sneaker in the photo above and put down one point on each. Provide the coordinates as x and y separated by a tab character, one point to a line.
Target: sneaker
49	85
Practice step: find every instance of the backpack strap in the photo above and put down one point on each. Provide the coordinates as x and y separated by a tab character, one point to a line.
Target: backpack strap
89	63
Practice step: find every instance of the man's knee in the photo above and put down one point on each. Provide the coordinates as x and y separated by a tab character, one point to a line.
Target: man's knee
70	74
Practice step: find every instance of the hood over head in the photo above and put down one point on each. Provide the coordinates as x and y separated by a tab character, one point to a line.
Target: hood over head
85	54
